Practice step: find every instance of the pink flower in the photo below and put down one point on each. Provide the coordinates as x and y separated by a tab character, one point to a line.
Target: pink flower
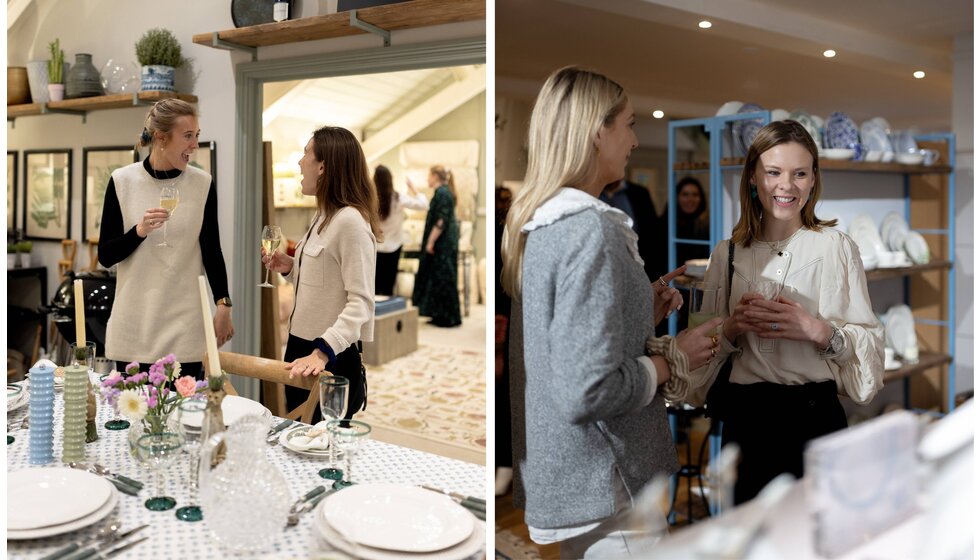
151	402
169	359
112	380
132	368
157	377
186	386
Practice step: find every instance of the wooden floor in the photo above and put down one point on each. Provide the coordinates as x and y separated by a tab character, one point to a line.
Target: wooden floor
512	539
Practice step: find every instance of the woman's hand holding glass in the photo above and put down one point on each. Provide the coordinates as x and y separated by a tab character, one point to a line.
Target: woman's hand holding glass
278	261
153	219
785	318
700	343
739	322
271	238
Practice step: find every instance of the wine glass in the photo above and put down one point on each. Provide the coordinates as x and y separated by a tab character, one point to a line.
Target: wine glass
169	197
190	422
116	423
333	406
271	237
159	451
349	438
705	304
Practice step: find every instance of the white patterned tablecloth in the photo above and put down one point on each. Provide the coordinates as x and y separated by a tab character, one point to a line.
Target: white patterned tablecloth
172	538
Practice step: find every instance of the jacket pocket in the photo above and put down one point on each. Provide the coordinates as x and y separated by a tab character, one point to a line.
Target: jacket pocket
311	269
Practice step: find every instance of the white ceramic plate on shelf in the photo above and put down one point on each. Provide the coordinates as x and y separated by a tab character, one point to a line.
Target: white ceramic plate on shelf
900	328
729	108
397	517
838	153
43	497
304	446
917	248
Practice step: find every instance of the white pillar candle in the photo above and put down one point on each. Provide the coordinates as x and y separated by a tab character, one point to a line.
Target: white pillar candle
209	338
79	315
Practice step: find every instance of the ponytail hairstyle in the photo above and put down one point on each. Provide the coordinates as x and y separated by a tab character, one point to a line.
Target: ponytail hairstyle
446	177
160	120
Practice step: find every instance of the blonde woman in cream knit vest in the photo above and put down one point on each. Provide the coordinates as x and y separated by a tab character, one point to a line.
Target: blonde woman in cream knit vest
333	271
157	310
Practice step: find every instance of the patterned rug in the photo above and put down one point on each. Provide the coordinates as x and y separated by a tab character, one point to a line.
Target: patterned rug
437	393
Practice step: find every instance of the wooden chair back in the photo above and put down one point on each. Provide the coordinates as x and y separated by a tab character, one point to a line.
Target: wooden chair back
272	371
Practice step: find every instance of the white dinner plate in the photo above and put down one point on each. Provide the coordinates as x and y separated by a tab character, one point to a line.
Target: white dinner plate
900	328
43	497
397	517
94	517
285	439
916	247
234	407
472	545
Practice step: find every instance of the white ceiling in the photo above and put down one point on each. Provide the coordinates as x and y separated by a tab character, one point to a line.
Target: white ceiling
763	51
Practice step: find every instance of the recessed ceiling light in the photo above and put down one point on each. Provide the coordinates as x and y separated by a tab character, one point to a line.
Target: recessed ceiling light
830	53
919	74
704	24
658	114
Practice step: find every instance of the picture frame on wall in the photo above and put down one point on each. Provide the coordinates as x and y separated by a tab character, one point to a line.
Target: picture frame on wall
47	194
12	190
98	164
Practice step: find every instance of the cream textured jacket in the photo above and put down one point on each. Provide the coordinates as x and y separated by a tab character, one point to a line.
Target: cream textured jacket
333	275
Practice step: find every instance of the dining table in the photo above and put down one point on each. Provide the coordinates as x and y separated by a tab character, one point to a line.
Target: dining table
169	537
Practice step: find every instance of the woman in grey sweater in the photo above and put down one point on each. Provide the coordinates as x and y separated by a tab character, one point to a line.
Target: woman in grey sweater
589	423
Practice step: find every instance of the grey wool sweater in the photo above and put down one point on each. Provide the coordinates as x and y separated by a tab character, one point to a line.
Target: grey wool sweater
577	390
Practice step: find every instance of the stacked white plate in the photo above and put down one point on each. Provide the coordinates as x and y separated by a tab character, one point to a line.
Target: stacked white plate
864	232
874	136
43	502
391	521
900	330
298	439
894	229
16	396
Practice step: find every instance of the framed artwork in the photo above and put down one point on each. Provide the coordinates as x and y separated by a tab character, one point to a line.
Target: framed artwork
206	158
98	165
11	191
47	194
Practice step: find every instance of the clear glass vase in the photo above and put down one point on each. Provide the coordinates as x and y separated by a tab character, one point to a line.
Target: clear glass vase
152	423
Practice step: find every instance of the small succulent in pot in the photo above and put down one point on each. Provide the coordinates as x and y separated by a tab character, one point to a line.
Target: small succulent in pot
56	65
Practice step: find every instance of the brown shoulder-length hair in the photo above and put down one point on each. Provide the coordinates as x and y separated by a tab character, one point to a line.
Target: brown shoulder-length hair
749	226
386	190
345	180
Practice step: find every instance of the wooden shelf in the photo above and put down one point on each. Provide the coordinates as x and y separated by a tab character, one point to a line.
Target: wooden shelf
391	17
872	275
84	105
836	165
927	360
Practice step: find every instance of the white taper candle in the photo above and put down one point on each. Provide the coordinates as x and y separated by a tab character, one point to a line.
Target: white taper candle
209	338
79	315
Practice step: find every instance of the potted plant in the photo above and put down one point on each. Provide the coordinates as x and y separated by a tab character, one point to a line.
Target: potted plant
56	71
24	248
158	51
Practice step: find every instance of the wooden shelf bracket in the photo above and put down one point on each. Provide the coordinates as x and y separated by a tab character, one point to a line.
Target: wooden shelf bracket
45	110
219	43
361	24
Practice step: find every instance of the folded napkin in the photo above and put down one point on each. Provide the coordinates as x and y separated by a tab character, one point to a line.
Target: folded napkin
312	439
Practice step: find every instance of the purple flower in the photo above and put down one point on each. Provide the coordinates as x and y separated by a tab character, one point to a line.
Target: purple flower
112	380
138	378
151	402
166	391
203	384
169	359
157	378
132	368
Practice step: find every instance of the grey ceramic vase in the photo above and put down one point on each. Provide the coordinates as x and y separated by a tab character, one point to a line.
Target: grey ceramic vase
83	79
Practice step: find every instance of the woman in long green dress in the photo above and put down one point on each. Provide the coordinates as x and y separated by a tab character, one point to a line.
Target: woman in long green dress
435	291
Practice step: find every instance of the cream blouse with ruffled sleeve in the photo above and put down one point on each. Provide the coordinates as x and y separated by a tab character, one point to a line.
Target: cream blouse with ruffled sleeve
822	271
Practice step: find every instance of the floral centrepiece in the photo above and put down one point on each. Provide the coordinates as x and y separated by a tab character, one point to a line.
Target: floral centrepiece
143	397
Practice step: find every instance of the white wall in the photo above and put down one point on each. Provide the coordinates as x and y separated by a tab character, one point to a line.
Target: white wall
963	129
109	29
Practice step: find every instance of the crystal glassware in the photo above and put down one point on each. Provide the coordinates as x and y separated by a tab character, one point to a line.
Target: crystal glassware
705	304
271	238
189	423
348	435
116	423
169	198
82	355
334	390
159	451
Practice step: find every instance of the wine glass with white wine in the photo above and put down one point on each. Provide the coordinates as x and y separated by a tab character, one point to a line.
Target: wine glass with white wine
169	197
271	237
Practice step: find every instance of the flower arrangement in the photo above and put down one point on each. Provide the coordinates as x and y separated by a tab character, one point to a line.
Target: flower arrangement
144	397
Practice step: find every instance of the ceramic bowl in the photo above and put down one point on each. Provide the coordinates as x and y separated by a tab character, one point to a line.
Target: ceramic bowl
909	159
729	108
838	153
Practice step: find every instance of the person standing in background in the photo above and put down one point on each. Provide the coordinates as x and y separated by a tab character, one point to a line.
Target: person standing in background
651	229
692	223
391	209
436	293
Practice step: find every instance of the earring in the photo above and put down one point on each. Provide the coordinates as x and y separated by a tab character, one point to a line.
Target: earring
755	192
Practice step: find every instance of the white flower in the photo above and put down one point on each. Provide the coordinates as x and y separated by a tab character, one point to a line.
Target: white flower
132	405
175	373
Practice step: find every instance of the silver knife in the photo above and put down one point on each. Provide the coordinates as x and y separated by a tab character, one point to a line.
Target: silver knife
93	551
119	549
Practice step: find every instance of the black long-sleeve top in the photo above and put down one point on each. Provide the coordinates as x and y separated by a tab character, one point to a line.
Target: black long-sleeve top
115	245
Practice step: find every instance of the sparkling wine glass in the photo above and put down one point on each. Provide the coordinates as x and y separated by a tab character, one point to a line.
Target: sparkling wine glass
349	439
116	423
271	238
705	304
333	406
169	197
159	451
190	422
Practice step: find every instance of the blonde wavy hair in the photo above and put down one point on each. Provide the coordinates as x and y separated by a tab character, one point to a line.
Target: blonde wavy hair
571	107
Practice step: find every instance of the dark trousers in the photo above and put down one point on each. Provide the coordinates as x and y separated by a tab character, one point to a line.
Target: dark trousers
386	272
771	423
347	364
195	369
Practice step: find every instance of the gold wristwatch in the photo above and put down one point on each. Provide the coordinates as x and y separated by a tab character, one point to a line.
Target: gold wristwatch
224	301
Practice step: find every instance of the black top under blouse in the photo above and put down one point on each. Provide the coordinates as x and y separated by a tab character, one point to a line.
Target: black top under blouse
116	245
